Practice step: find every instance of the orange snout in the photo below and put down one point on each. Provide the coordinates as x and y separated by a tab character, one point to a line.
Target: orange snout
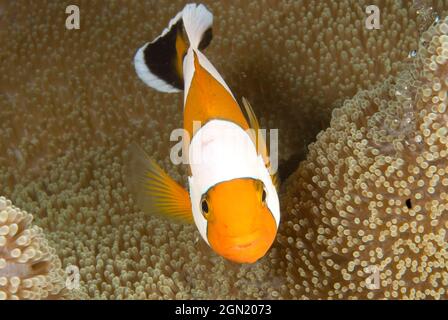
241	227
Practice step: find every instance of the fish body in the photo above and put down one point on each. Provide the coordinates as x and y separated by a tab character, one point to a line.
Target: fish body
232	197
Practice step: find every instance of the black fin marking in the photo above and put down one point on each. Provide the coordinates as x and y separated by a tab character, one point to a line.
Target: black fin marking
161	57
206	39
160	63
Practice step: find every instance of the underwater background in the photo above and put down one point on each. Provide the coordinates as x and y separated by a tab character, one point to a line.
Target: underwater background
363	111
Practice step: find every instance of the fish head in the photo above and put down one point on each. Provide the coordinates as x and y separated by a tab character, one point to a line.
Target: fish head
240	225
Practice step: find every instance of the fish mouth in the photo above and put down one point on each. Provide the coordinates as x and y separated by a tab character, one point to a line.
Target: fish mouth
245	245
248	251
247	248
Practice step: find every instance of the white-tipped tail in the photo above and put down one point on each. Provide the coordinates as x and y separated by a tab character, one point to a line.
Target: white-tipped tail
197	20
159	63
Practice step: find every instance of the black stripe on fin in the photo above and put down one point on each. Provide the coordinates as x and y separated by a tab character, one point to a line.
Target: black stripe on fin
161	57
206	39
158	64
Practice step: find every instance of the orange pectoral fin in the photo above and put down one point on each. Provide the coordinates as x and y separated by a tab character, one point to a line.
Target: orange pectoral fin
154	190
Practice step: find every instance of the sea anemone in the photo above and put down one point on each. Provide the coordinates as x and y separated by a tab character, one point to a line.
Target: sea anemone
29	267
371	196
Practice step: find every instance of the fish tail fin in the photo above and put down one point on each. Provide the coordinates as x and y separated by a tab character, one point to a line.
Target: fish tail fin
198	25
160	63
154	190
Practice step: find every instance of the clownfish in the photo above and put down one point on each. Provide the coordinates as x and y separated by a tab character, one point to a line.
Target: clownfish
232	195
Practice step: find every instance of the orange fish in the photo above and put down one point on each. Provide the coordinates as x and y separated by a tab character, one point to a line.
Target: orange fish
232	197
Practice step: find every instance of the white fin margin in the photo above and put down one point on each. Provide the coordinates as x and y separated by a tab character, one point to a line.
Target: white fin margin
170	25
142	70
147	76
207	65
197	20
189	70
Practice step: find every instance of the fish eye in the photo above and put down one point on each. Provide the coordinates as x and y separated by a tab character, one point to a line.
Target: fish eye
204	206
263	195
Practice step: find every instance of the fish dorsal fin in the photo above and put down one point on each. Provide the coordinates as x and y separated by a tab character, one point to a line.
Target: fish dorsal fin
258	139
255	133
276	181
154	190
